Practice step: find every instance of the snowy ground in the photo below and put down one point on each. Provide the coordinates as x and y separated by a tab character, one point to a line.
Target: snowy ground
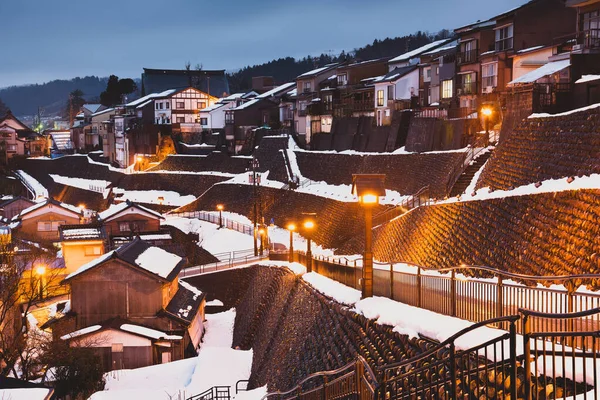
217	364
169	198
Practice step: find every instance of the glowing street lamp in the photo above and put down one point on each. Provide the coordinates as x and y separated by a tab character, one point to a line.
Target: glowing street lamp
139	160
40	270
291	227
368	188
487	113
220	208
261	233
309	226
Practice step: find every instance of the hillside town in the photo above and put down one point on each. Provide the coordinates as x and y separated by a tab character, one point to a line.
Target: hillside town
422	226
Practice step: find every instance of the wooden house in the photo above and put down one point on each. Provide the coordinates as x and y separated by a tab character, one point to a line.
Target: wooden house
130	305
13	206
82	244
16	138
129	218
41	221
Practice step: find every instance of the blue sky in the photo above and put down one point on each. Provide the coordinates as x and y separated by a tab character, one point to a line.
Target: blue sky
51	39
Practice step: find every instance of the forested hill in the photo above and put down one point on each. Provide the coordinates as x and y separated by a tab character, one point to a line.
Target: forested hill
51	96
287	69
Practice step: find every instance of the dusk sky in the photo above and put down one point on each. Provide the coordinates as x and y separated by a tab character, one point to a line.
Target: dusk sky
44	40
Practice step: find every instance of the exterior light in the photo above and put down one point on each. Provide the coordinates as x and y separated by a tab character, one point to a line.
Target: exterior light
368	188
486	111
40	270
309	224
139	159
82	207
261	231
291	227
161	200
220	207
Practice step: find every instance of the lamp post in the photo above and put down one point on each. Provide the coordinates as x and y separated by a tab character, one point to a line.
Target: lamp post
254	166
487	114
139	163
261	232
291	228
220	208
40	270
368	188
309	225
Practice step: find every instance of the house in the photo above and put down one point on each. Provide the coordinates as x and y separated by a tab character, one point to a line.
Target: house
41	221
212	118
587	32
81	244
59	142
213	82
17	139
262	110
395	90
129	218
82	135
437	69
130	306
102	131
307	89
13	206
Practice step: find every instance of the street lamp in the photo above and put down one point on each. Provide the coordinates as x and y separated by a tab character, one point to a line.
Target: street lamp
40	270
261	232
308	225
255	165
368	188
220	208
291	227
139	162
487	115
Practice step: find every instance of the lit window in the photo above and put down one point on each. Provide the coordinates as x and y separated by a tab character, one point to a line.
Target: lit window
447	89
201	105
380	98
92	250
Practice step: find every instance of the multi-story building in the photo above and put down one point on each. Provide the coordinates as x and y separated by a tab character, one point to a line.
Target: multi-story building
102	128
16	138
212	118
307	90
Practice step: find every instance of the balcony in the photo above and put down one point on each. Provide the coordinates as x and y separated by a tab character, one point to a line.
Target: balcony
467	88
467	57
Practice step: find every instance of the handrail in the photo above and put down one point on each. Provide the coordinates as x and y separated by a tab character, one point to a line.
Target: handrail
348	366
578	314
509	318
404	204
543	278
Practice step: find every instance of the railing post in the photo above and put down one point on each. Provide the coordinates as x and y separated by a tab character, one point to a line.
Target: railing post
325	387
391	281
570	303
500	298
452	371
419	287
355	282
453	293
527	357
513	360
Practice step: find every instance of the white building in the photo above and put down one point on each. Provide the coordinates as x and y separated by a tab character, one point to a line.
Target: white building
181	106
213	116
399	85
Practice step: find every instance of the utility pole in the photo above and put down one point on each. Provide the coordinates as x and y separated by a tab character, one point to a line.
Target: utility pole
255	165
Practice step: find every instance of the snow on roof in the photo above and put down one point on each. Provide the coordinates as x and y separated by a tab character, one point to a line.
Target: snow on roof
82	233
103	112
115	209
147	332
151	96
276	90
80	332
91	264
158	261
37	187
44	203
246	104
420	50
213	107
450	46
293	92
93	108
317	71
588	78
144	104
548	69
233	96
530	49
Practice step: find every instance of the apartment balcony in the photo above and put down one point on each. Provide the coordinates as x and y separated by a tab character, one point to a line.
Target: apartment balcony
467	57
504	44
467	89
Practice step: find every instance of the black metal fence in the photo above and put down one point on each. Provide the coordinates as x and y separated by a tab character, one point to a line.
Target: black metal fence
355	380
213	217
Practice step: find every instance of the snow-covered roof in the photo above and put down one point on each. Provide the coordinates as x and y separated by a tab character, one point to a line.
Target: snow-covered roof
93	108
396	74
82	233
534	48
212	107
144	104
450	46
151	96
293	92
102	112
148	332
419	51
81	332
588	78
141	255
115	209
44	203
548	69
246	104
317	71
276	90
34	393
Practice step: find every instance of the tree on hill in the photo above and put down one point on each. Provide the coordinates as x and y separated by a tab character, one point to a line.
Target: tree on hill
116	89
74	104
3	108
287	69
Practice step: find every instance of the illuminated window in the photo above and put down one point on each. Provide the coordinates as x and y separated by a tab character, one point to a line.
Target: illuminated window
92	250
447	89
380	98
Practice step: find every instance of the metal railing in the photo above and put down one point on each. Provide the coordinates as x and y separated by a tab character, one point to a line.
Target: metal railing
467	57
213	217
470	299
418	199
355	380
243	259
473	150
214	393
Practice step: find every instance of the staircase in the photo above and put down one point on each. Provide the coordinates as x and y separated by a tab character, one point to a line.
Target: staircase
465	179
